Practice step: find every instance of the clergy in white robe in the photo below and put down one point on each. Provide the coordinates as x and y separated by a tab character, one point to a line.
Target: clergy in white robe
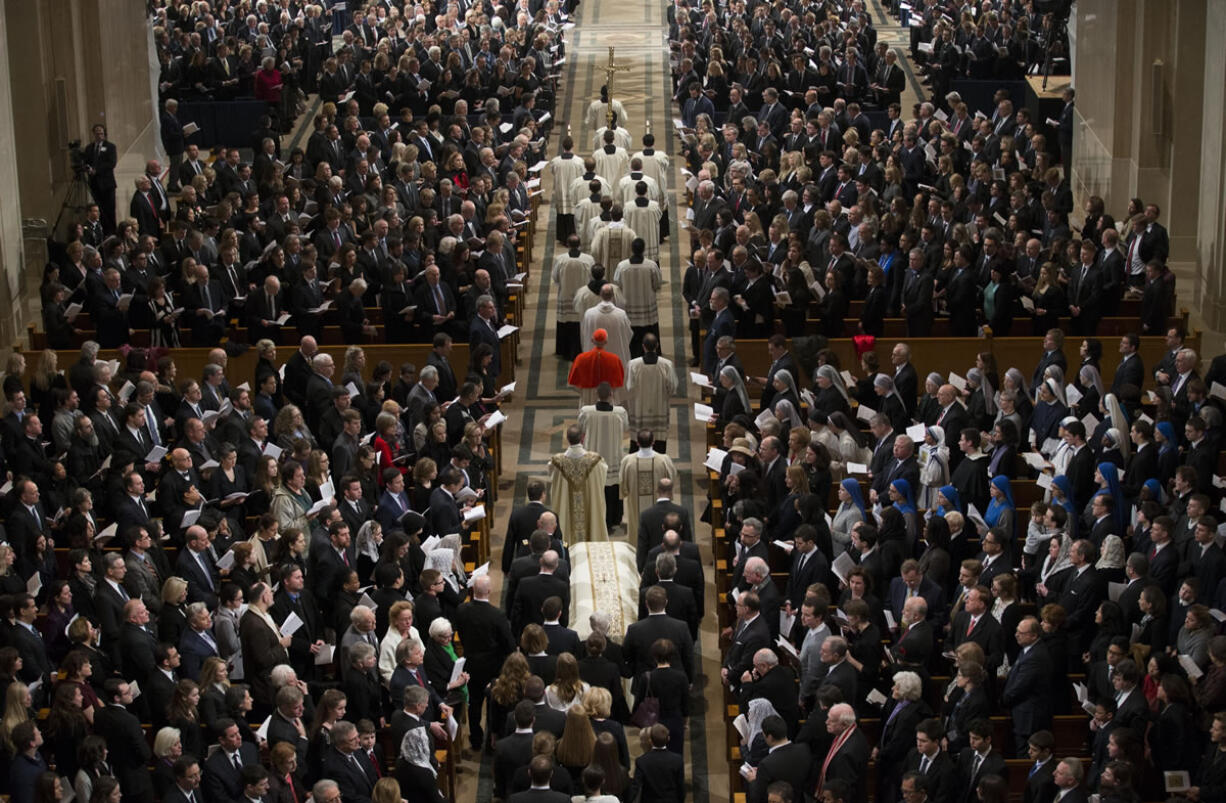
611	244
565	168
605	428
612	162
581	187
571	271
608	316
651	381
655	163
640	281
626	188
577	478
643	216
621	138
640	473
587	210
598	112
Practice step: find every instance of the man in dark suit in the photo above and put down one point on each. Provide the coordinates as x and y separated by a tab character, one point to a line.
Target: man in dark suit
722	324
659	774
929	761
262	649
26	638
978	760
651	522
916	297
681	604
839	673
331	564
348	765
444	514
975	623
771	681
906	381
1131	369
196	566
1027	690
186	787
1068	775
1040	786
128	747
137	644
533	591
205	304
223	770
540	775
514	750
1083	593
809	566
293	597
1053	343
484	329
787	762
911	582
846	759
637	658
522	522
436	304
561	639
485	634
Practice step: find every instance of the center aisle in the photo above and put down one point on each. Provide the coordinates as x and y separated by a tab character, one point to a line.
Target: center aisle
544	405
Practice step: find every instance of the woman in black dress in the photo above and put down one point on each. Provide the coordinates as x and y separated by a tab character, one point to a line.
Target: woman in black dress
227	479
833	306
1050	300
670	686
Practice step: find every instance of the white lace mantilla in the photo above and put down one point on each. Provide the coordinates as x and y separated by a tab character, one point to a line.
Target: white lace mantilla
603	577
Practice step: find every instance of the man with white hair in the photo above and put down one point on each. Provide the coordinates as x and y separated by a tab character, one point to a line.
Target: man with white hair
847	758
318	389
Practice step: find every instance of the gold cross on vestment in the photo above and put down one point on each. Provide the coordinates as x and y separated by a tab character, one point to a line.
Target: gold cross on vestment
611	69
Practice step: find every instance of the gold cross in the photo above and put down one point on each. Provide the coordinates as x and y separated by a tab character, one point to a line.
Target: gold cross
611	69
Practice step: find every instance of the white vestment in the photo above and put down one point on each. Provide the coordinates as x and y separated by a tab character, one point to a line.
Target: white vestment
648	390
564	171
570	274
580	189
621	138
585	212
639	475
626	188
641	283
608	316
612	165
611	244
577	479
655	164
598	113
645	221
605	431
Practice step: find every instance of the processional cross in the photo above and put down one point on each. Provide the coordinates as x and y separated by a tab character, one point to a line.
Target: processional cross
611	69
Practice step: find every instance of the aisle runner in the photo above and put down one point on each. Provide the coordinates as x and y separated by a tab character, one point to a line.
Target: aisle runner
603	577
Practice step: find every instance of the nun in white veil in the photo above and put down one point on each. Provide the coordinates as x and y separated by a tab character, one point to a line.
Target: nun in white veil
934	466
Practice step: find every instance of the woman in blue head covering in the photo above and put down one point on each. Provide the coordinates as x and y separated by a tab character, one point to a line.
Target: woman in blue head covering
1109	481
904	500
851	510
947	500
1062	495
1001	510
1168	451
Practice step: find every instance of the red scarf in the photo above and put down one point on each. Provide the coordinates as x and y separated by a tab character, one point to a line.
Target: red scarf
830	754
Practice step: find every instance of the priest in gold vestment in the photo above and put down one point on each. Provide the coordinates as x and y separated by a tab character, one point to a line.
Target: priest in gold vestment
577	479
640	473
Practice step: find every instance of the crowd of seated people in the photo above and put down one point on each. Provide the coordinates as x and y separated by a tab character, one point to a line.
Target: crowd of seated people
1003	530
186	558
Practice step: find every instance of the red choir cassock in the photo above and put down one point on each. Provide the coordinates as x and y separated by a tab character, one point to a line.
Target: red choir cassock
597	365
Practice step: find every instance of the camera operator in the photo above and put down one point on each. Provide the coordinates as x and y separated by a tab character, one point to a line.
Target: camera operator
100	157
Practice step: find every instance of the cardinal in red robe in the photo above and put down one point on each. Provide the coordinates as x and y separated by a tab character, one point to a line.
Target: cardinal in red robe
595	366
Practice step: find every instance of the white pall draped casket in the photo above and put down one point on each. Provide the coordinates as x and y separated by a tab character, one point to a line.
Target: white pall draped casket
603	578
